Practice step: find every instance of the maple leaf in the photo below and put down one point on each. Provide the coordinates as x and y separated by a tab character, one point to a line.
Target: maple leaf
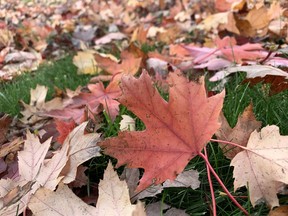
240	134
176	131
263	166
37	104
64	128
100	95
113	200
82	147
31	158
113	195
62	202
129	63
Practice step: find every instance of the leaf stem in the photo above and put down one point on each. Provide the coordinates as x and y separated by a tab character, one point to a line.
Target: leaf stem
230	143
211	185
222	184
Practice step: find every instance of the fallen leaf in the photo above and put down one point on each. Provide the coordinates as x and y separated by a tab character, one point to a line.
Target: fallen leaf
110	37
213	21
82	147
64	128
174	211
101	95
185	179
11	147
154	209
31	158
129	63
131	176
279	211
240	134
37	105
85	62
48	176
252	72
127	123
263	166
5	122
60	202
81	179
277	83
171	139
113	195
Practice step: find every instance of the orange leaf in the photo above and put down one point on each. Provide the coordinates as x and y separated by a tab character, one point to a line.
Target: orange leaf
176	131
129	64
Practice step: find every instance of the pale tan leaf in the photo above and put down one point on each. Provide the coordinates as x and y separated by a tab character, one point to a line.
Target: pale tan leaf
113	195
49	173
31	158
263	166
82	148
127	123
185	179
17	207
252	72
61	202
213	21
32	111
85	62
139	209
131	176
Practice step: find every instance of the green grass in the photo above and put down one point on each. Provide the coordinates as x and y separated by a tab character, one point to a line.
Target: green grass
269	110
62	74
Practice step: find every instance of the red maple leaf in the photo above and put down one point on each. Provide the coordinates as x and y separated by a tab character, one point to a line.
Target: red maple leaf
176	131
64	128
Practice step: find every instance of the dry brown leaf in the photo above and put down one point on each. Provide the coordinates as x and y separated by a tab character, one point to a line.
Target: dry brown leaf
263	166
240	134
11	147
279	211
5	122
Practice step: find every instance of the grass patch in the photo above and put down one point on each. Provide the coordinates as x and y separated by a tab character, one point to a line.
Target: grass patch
269	110
62	74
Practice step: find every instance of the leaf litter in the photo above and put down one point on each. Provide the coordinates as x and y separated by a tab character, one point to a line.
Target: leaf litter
43	152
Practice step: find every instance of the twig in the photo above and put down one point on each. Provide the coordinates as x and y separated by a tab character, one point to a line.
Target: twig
230	143
222	184
211	185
